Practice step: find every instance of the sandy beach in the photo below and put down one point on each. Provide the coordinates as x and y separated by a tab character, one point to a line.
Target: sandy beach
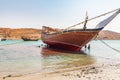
101	71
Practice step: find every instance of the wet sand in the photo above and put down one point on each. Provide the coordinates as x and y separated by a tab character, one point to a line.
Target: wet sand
101	71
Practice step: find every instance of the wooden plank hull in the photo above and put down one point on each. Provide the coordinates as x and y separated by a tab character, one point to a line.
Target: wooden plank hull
72	41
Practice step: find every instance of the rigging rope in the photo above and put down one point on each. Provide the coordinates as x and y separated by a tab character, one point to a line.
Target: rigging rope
93	18
107	44
110	46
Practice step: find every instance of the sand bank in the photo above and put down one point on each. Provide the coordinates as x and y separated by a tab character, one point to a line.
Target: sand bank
101	71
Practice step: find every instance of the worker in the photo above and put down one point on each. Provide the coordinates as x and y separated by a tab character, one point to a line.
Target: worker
89	47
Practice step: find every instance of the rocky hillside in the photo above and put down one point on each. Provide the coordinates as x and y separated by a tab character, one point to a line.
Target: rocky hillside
18	33
108	35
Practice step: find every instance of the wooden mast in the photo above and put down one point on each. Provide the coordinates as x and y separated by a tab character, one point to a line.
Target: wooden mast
86	19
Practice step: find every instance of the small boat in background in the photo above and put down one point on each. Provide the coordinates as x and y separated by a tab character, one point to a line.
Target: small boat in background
3	39
30	37
74	39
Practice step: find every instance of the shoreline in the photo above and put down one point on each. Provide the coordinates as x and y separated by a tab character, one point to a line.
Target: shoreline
105	67
99	71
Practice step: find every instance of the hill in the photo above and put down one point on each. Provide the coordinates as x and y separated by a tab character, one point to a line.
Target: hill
108	35
18	33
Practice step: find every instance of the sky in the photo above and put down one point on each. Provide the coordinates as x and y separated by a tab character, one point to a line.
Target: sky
55	13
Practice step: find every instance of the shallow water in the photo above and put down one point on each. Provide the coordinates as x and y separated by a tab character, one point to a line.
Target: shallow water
18	57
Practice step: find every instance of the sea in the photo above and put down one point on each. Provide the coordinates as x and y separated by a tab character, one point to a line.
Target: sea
18	57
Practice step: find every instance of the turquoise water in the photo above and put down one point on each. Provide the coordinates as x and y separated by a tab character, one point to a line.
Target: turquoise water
102	52
18	57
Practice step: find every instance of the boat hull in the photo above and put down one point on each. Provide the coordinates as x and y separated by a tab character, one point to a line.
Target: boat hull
72	41
3	39
25	39
63	46
30	38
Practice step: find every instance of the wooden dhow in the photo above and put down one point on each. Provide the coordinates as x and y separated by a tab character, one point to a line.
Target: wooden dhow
74	39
